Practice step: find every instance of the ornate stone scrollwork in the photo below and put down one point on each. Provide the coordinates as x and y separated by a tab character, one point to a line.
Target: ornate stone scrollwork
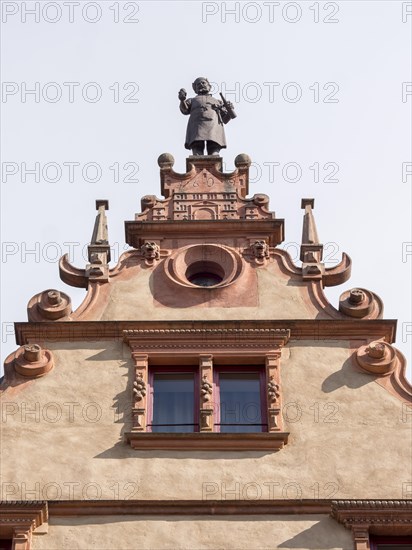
49	305
359	303
139	387
33	361
260	199
377	357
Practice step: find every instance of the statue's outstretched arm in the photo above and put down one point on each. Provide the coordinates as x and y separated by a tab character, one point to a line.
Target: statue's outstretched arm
184	103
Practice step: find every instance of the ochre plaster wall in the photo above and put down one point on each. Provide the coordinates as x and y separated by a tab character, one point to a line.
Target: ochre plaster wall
312	532
62	435
267	292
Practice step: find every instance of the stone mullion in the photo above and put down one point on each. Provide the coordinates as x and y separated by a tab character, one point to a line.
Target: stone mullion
139	411
206	396
273	392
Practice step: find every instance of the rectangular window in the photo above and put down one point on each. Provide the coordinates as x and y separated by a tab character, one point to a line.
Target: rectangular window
391	543
239	396
238	399
173	399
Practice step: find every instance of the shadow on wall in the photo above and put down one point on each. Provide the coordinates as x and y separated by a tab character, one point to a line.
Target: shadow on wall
122	405
349	375
323	535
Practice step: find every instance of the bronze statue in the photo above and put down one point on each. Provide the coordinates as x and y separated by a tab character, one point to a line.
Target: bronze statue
207	117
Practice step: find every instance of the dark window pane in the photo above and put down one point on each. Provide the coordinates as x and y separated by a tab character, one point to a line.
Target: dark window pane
205	279
240	402
395	546
173	402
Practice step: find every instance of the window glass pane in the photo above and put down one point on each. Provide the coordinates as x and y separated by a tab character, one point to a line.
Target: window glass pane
395	546
173	402
240	402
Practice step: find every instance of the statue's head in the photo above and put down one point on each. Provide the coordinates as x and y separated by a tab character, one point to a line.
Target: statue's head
201	85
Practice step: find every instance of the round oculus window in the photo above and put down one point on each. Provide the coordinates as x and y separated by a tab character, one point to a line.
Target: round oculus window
205	273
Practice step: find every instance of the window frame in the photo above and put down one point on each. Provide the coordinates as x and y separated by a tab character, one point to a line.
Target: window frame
173	369
205	346
233	369
375	541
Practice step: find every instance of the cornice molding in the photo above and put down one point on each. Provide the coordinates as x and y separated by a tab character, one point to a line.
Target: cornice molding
365	517
308	329
188	507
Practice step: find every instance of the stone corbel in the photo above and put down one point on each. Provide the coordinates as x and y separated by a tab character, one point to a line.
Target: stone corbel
206	392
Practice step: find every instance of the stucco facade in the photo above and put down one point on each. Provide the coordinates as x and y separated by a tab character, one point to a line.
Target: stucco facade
81	466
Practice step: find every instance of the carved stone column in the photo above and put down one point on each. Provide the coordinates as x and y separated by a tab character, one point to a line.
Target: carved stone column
273	394
206	393
139	411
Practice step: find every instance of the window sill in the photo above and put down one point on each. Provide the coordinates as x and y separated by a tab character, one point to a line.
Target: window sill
200	441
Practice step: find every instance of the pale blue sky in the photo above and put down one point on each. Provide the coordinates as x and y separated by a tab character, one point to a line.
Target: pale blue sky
349	74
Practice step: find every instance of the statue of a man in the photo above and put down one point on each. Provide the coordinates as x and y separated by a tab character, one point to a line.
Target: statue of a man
207	117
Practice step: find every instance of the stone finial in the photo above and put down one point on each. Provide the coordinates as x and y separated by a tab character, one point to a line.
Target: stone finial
32	353
376	350
310	239
356	296
49	305
311	250
243	161
378	357
360	303
32	361
166	160
54	297
99	248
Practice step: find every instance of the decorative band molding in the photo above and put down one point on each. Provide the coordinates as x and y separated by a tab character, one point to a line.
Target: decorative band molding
299	329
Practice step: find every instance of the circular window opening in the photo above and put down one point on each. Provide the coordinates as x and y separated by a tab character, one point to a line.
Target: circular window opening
205	273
